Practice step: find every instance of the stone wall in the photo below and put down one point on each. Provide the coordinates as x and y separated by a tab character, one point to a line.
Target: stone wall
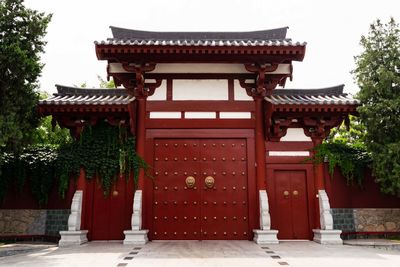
377	220
33	222
57	220
366	220
343	219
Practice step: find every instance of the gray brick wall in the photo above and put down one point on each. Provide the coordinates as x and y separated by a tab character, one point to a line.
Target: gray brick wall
57	220
343	219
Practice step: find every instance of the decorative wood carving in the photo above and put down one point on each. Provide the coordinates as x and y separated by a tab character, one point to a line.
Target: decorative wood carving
265	81
316	126
136	85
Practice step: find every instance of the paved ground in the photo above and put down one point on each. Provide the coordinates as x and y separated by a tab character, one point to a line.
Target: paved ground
207	253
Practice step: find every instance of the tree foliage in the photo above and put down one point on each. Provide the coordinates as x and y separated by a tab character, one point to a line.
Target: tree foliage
47	134
21	43
377	73
345	148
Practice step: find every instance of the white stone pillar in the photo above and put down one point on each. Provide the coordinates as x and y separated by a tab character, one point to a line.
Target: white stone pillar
326	235
74	235
265	235
136	236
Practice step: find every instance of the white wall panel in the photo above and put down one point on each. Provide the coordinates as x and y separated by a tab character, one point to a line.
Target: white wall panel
199	68
289	153
200	90
235	115
200	115
160	93
295	134
239	93
165	115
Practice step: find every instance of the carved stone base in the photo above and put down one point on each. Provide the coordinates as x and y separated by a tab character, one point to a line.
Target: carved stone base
72	238
136	237
327	237
263	237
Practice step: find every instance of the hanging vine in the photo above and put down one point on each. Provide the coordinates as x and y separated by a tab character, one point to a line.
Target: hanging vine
35	165
105	152
352	161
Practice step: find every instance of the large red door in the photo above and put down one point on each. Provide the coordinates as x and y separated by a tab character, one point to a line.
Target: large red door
110	215
290	216
216	209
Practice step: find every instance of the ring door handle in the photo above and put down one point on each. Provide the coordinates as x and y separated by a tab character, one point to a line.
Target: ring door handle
209	181
190	181
295	193
286	194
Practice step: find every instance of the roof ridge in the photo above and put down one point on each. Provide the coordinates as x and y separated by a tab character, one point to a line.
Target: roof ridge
73	90
269	34
332	90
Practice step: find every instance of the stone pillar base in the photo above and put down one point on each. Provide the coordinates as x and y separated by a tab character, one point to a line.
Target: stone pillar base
263	237
136	237
327	237
72	238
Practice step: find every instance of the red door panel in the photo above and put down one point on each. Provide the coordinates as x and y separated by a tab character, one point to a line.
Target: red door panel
224	209
199	213
291	210
110	214
299	205
176	207
283	217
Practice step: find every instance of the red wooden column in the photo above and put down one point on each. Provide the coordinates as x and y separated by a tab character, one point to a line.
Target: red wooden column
260	144
141	135
318	169
319	183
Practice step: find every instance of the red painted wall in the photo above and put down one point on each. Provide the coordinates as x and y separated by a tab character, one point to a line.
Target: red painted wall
24	200
342	195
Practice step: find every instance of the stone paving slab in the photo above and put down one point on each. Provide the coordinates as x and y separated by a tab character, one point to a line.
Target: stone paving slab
374	243
23	247
207	253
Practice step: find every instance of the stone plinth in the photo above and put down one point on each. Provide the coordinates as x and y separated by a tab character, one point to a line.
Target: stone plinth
72	238
327	237
136	237
264	237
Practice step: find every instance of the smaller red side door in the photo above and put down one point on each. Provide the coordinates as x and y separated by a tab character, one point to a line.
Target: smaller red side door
110	214
291	209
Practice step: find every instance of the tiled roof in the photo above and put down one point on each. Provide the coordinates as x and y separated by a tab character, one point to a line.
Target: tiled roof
82	96
325	96
274	37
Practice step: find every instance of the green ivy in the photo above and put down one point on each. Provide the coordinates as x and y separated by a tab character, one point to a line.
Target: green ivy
351	160
105	152
35	163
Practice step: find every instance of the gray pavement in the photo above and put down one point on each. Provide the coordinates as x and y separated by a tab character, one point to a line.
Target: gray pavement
207	253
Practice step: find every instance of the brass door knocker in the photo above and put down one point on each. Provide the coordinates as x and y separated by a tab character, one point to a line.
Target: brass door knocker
209	181
190	181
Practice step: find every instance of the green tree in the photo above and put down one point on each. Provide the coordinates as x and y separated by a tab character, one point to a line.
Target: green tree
47	134
377	73
352	135
106	84
21	43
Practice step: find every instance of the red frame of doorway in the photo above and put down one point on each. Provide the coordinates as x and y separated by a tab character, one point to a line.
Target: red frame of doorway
248	134
308	168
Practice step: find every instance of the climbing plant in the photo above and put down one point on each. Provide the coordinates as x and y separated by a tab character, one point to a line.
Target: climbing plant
34	165
105	152
351	160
